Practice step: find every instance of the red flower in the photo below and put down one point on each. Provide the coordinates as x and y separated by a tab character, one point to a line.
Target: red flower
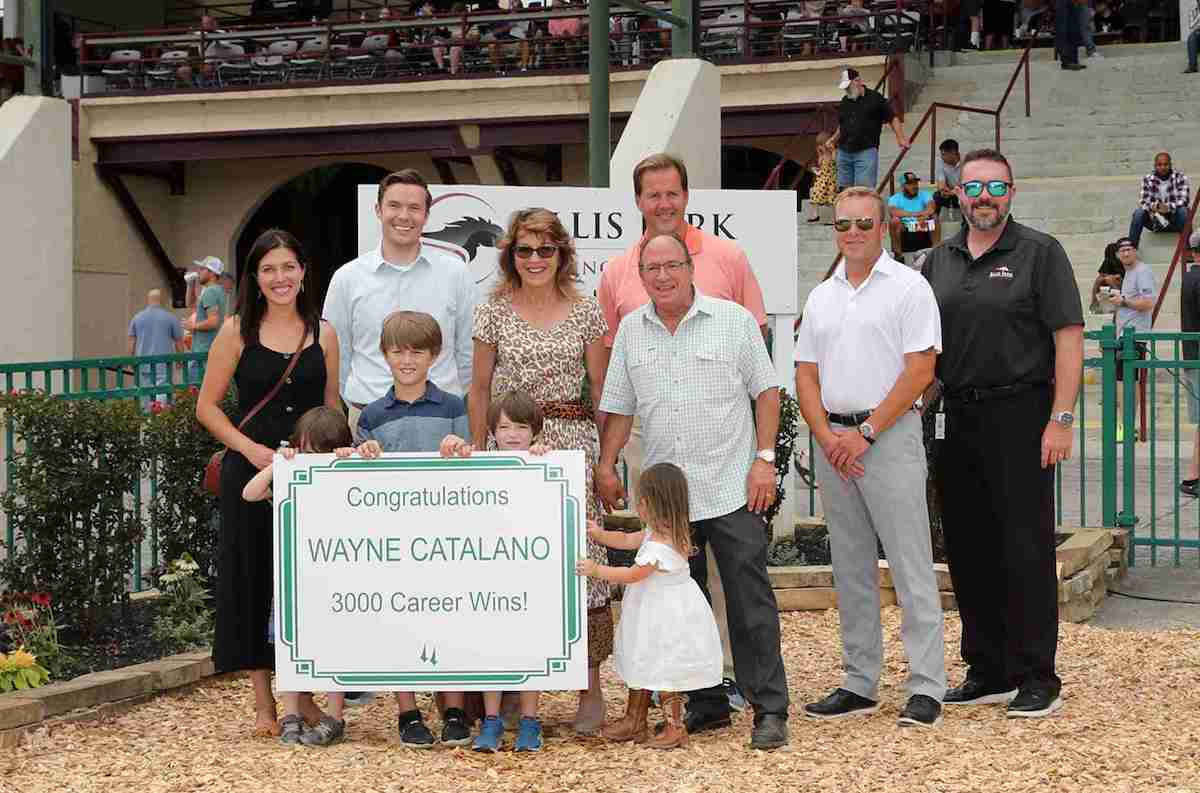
193	390
10	617
156	408
40	599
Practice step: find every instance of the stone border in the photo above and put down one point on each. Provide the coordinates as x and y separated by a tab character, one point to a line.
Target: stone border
99	694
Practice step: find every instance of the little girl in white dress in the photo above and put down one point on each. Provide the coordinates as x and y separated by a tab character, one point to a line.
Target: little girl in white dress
666	639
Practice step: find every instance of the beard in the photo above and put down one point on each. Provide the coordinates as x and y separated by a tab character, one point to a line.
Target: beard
989	223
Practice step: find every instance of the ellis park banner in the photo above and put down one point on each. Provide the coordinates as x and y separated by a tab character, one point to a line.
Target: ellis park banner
417	573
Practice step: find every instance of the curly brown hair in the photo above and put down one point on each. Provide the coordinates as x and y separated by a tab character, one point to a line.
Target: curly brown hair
544	223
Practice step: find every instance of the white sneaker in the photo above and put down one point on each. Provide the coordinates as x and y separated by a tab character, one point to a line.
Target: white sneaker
1095	56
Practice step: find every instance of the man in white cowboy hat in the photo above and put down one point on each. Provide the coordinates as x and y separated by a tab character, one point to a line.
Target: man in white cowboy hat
861	115
210	307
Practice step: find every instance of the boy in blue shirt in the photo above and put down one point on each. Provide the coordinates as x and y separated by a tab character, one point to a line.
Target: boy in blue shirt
414	416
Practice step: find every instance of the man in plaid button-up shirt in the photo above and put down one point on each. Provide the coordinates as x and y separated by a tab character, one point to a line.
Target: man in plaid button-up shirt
1165	197
688	365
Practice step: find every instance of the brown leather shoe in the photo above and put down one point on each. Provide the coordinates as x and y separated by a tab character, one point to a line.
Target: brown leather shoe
632	726
674	734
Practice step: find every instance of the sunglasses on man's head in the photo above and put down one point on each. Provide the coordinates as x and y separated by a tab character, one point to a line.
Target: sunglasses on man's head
527	251
996	188
864	224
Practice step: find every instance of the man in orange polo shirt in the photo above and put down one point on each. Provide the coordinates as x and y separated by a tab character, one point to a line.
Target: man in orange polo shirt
721	269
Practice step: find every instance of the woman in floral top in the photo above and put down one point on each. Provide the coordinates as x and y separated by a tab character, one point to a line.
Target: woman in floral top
537	334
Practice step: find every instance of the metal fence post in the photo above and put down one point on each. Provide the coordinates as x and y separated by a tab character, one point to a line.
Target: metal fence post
1128	353
599	145
1108	424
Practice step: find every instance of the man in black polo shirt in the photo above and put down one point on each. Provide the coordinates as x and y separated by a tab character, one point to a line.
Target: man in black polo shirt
1012	330
1189	320
861	116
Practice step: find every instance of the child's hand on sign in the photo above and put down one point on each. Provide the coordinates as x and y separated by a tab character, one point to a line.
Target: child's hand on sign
454	446
288	452
342	452
371	450
586	567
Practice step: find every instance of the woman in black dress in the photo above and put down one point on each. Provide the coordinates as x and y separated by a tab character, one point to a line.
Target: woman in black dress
276	309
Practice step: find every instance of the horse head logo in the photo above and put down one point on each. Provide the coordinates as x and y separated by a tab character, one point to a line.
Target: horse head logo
470	234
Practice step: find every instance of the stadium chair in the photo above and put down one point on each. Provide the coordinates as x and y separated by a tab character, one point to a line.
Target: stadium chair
273	66
124	66
309	61
364	65
164	74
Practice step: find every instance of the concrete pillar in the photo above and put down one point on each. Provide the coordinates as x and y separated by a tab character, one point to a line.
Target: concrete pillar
679	112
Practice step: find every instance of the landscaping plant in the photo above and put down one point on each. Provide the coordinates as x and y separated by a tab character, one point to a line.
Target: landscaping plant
184	621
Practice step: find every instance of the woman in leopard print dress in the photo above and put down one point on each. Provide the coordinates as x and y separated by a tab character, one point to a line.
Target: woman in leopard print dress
537	334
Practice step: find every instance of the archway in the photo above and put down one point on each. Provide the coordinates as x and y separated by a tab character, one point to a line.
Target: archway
747	168
320	207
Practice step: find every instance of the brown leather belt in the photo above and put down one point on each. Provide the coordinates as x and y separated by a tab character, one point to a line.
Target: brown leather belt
568	411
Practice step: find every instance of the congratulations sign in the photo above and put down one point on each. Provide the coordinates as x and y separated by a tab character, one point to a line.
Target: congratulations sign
471	219
417	573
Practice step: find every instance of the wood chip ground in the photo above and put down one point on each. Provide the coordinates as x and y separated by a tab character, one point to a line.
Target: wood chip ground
1131	723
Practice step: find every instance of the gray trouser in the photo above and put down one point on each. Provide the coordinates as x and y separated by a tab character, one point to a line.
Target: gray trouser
886	503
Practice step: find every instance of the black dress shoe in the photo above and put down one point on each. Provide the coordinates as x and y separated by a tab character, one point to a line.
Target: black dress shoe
839	704
1034	703
921	711
770	732
1190	70
703	722
1074	67
974	691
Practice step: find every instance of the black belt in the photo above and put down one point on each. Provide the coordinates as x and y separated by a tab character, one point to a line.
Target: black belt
360	406
849	419
968	395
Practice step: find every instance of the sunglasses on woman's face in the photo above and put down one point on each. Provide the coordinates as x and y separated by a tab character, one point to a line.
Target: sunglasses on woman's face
864	224
542	251
996	188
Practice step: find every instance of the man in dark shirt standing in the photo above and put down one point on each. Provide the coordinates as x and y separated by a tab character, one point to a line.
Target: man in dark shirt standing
1012	331
861	116
1189	313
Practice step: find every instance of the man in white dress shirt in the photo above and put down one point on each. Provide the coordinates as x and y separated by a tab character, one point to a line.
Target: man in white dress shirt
866	352
404	273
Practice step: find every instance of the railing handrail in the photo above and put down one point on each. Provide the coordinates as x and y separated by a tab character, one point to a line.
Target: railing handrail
1180	246
75	364
1022	63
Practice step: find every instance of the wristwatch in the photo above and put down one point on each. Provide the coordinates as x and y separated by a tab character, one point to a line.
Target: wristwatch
766	455
867	431
1066	418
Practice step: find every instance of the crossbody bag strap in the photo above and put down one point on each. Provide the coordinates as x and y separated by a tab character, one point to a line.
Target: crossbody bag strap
271	394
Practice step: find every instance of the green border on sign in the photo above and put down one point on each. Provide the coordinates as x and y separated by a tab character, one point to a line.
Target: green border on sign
288	562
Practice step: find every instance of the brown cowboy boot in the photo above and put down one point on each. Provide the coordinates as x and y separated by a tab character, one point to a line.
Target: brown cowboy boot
632	726
674	734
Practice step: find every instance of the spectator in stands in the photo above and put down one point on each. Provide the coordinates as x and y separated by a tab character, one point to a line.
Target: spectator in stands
1193	43
948	175
857	29
442	36
1035	17
861	115
1163	205
998	23
1135	305
1189	313
155	331
1066	35
1086	20
1108	278
912	214
567	35
1108	17
210	304
973	10
503	37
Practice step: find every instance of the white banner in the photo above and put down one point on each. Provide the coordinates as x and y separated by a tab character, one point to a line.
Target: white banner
605	222
415	573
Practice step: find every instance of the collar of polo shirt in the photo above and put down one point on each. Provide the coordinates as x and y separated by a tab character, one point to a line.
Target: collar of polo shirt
1007	241
379	261
884	265
432	394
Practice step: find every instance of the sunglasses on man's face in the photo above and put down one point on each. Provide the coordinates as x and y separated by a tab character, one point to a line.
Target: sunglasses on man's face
864	224
542	251
996	188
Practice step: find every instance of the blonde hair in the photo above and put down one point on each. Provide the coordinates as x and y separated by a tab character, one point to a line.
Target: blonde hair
663	492
545	224
861	192
659	162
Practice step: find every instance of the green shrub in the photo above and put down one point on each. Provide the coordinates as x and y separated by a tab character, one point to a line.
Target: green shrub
69	504
182	514
184	621
785	442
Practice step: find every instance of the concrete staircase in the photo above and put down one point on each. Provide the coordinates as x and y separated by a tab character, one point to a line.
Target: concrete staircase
1078	160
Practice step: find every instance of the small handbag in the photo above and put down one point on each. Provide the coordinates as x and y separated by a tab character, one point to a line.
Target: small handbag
210	481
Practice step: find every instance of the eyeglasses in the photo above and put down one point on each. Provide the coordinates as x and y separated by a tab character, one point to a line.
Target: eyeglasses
864	224
542	251
654	269
996	188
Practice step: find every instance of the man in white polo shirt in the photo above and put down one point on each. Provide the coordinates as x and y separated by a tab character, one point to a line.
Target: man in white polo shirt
404	273
866	352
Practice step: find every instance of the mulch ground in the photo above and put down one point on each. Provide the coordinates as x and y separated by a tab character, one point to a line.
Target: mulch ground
1131	723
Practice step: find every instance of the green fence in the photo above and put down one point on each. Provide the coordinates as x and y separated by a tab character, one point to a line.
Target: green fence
145	378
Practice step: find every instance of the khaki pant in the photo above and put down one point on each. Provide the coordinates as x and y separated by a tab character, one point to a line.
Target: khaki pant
633	468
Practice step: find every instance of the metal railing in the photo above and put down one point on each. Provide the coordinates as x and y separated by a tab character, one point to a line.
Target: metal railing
126	377
1180	247
350	51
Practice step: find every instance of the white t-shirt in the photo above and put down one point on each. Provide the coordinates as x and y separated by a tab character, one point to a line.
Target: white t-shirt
858	337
